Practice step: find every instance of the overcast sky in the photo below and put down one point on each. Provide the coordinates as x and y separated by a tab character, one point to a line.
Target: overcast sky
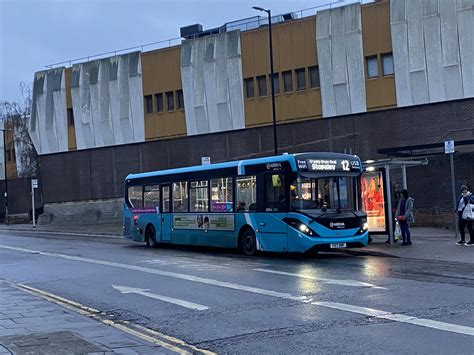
36	33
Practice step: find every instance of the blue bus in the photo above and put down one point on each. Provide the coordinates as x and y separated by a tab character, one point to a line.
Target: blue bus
287	203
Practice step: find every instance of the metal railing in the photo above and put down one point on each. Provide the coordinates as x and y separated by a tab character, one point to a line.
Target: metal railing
246	24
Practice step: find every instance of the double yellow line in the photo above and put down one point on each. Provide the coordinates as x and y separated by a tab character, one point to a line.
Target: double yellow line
152	336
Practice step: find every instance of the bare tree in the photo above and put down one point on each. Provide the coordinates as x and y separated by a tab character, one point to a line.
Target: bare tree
16	114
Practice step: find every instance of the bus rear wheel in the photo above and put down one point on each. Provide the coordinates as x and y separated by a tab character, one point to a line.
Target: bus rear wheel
150	236
248	242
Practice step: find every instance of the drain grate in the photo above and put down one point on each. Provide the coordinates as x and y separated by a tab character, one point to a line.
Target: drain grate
48	343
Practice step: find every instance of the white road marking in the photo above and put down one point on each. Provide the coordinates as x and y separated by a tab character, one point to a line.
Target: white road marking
176	275
143	292
352	283
449	327
428	323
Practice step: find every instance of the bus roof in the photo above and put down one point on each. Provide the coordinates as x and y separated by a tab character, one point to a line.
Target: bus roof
290	158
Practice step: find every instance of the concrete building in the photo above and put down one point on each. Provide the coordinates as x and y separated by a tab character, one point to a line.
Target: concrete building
371	65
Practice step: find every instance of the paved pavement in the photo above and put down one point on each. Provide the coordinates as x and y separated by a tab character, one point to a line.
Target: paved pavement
32	325
428	243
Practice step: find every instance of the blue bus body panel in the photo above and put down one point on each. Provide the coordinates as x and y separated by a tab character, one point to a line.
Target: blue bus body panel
271	232
222	239
233	164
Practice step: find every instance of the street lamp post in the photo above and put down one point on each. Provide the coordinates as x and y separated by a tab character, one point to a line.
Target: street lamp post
269	12
5	169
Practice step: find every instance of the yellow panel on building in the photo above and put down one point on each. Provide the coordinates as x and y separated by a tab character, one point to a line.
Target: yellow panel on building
71	132
161	76
376	35
294	49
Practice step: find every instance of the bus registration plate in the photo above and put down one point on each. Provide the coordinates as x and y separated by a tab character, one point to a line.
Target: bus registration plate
338	245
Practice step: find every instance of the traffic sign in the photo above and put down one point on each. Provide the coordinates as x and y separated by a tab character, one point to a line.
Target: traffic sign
449	146
34	183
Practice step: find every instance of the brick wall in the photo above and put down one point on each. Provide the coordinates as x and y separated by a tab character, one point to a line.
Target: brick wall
99	173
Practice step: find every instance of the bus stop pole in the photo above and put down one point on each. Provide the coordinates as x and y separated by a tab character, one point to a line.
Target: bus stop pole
453	188
33	214
389	202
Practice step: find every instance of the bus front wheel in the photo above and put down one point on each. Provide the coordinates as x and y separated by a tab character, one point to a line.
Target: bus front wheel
249	242
150	237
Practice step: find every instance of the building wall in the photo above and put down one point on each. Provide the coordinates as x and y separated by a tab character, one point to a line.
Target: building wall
377	42
211	72
48	124
162	75
294	47
433	50
99	173
341	61
107	100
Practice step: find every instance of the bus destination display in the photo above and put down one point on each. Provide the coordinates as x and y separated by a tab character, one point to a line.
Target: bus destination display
329	165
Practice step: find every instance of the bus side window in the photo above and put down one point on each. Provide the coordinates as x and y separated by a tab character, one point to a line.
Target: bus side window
275	197
180	196
165	197
135	196
151	196
246	193
221	195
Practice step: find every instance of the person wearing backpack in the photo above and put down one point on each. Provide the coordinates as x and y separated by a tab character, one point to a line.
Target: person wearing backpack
464	200
404	215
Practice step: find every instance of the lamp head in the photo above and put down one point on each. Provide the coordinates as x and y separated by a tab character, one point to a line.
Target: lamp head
259	8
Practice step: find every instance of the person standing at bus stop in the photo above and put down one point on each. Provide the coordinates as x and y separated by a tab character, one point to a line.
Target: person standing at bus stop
404	215
465	198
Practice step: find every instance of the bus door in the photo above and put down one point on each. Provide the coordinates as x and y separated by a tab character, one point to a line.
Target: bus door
272	228
165	214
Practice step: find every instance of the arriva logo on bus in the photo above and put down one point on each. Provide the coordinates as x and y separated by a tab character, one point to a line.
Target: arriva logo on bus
340	225
274	166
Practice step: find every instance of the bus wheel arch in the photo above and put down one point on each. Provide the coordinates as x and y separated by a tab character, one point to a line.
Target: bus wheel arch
150	236
247	240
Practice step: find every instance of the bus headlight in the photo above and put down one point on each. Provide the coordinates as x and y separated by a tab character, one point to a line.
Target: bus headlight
304	228
365	226
301	227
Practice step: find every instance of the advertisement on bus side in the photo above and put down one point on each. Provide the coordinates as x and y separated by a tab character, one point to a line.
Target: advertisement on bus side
204	221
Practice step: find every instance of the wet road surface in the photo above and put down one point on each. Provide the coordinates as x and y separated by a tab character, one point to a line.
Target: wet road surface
227	303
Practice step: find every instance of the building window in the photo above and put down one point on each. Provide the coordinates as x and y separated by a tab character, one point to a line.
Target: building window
262	85
314	77
387	64
180	196
148	104
249	90
70	117
170	101
159	102
287	81
179	94
199	196
372	67
300	79
276	82
221	195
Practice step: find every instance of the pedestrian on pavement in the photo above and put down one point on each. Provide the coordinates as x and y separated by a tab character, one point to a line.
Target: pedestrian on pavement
404	215
465	198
